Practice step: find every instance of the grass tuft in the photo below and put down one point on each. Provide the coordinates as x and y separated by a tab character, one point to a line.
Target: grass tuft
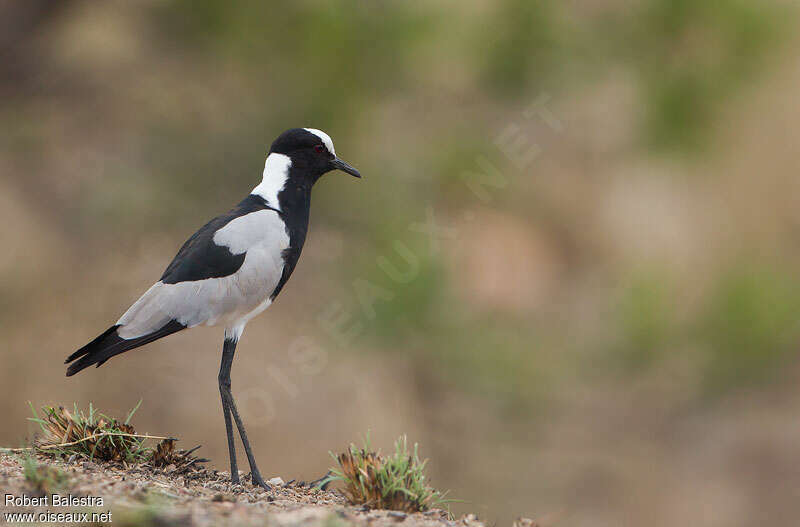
91	435
95	436
393	482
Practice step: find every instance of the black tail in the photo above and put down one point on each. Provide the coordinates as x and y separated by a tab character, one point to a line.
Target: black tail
110	343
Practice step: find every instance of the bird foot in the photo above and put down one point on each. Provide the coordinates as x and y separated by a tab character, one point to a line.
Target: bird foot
258	480
320	483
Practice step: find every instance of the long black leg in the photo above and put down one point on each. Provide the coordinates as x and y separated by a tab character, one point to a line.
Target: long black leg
224	379
228	351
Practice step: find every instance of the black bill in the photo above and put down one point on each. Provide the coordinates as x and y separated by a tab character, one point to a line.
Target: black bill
338	164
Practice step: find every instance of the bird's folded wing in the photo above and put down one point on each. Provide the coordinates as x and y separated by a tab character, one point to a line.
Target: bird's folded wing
226	270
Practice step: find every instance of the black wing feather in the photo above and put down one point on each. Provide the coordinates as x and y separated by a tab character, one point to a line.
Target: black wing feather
200	258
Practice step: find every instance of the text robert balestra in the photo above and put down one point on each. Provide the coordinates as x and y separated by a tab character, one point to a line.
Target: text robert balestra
53	500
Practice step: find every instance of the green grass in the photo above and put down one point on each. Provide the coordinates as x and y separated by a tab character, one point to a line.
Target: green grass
646	318
154	512
42	479
691	57
750	327
519	46
393	482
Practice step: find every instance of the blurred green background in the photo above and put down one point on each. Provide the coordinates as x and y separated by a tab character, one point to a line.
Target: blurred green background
601	330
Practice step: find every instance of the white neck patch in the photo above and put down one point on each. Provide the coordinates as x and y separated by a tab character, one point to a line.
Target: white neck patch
276	172
325	138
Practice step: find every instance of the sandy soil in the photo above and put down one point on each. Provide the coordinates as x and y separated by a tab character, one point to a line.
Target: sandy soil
144	496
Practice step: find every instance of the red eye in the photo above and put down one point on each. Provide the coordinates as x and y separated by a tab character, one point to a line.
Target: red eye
320	149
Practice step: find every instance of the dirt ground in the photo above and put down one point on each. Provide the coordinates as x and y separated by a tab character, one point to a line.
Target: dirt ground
142	496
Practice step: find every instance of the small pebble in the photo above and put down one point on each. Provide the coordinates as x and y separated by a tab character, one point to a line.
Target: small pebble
276	482
397	515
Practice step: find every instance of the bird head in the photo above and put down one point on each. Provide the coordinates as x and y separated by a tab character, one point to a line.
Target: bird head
311	153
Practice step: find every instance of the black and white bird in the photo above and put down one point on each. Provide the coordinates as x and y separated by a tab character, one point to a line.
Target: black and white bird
231	269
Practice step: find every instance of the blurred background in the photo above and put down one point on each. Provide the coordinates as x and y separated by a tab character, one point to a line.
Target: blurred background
571	273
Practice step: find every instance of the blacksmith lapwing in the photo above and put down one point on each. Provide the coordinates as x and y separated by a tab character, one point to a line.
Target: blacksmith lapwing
231	269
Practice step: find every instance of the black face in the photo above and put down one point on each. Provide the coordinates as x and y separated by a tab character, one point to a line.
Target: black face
309	154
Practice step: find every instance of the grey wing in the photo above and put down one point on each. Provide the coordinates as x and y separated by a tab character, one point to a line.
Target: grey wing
259	236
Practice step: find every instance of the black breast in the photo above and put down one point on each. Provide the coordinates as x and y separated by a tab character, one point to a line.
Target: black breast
295	200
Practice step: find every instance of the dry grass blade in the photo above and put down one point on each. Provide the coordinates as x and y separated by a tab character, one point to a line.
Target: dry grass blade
175	460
